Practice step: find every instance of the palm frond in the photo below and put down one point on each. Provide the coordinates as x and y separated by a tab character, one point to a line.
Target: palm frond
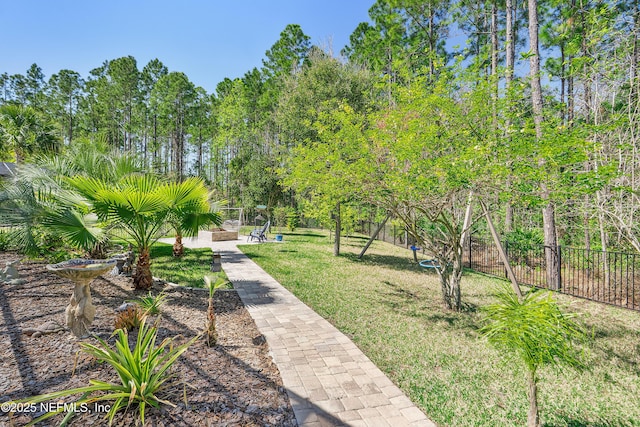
89	187
192	222
80	230
147	183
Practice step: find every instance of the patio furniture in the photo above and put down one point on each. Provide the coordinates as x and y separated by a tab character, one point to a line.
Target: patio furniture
259	233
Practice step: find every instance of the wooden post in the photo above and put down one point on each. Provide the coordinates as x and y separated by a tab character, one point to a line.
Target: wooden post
373	236
503	256
467	221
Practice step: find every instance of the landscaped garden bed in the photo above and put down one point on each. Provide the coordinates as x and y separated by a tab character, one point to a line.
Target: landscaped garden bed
232	383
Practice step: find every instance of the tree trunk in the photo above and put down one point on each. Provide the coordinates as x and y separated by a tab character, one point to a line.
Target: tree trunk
510	60
548	213
212	334
142	279
570	97
585	223
336	243
563	83
603	241
508	218
178	247
533	419
494	39
99	251
494	66
510	44
534	64
19	156
200	158
635	61
70	119
450	272
585	66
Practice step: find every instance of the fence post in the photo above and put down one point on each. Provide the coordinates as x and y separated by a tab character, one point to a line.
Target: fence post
506	253
470	258
559	267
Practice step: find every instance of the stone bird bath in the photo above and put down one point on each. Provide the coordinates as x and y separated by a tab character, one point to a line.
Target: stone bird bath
80	312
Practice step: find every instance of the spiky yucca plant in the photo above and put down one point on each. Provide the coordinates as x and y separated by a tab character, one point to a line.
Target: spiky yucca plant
143	373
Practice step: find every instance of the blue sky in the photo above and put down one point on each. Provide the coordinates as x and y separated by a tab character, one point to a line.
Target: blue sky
207	40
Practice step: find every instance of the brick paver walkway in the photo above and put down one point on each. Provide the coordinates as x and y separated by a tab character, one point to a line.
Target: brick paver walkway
329	380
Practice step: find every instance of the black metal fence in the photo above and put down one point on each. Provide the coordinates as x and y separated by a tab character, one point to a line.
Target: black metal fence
607	277
390	233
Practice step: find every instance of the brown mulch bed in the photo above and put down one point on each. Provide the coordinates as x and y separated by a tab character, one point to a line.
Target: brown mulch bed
234	383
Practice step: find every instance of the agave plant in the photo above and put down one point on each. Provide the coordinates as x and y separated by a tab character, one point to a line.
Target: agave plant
143	373
130	318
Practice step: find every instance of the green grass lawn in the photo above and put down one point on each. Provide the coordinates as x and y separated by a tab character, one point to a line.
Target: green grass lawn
392	310
187	270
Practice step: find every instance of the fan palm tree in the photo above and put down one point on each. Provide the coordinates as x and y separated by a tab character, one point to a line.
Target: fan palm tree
140	205
36	202
137	205
39	202
23	131
190	210
97	159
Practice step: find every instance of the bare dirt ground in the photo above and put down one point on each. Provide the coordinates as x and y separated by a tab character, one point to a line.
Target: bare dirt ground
232	384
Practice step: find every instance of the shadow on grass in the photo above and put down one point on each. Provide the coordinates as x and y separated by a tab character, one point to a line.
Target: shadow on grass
413	305
251	255
390	261
305	234
358	239
566	421
288	251
610	352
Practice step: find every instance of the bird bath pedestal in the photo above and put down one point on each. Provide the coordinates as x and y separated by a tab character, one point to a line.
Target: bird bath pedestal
80	312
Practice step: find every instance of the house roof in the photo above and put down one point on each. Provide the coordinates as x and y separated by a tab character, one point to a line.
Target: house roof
7	169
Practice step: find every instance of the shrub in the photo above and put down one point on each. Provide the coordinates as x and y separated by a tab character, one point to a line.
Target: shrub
524	244
280	216
292	219
4	241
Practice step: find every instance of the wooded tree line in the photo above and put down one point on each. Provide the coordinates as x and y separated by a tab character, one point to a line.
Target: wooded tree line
431	100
